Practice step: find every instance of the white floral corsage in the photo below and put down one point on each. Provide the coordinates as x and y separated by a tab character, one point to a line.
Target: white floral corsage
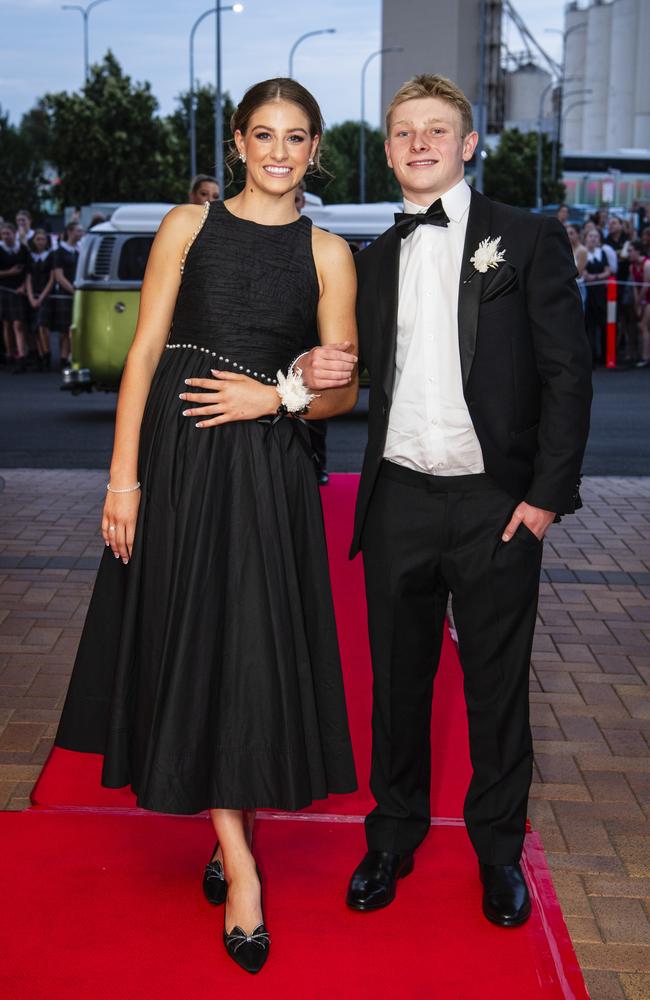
294	395
487	254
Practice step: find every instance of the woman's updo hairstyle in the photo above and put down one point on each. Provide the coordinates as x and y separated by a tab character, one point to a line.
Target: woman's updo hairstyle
279	89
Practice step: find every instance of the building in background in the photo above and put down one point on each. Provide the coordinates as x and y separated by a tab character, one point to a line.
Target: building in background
527	88
597	103
606	133
443	36
608	54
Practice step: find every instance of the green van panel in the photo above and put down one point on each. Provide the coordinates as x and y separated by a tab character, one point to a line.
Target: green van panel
103	327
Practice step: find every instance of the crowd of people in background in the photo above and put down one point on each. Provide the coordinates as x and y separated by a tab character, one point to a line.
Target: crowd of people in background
605	246
37	273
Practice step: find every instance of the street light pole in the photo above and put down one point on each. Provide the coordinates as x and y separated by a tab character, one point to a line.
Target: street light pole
481	98
218	111
538	171
362	125
308	34
237	8
85	12
560	100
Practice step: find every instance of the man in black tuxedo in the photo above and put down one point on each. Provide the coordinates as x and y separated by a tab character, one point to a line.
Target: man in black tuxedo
471	327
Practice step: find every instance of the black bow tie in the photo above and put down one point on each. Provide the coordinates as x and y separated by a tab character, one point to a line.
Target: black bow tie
407	222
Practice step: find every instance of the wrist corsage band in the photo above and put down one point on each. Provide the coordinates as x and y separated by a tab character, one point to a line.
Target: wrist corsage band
295	396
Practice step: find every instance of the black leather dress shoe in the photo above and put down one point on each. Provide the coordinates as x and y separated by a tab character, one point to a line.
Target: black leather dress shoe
214	881
374	882
506	901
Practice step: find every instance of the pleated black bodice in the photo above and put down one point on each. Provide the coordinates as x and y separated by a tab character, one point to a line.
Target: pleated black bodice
249	293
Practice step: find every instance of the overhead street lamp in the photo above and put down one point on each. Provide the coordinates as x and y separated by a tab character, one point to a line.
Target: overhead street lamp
85	13
236	8
362	124
576	104
308	34
540	121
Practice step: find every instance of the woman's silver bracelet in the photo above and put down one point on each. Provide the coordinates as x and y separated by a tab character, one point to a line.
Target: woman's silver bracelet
129	489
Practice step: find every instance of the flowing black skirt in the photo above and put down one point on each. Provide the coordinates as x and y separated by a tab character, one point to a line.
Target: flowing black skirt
208	672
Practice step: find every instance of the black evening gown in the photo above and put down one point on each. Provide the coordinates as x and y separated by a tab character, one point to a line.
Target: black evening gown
208	671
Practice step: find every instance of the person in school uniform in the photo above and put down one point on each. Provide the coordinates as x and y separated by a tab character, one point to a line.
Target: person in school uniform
14	259
38	285
66	257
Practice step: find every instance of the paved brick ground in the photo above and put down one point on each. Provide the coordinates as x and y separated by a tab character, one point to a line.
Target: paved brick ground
590	692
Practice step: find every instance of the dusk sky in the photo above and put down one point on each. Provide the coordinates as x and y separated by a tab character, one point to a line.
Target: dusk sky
41	47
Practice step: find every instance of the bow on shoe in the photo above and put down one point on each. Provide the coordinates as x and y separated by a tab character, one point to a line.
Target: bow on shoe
435	215
238	937
214	869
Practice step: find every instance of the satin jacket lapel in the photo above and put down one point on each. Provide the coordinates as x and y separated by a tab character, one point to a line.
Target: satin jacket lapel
471	281
388	293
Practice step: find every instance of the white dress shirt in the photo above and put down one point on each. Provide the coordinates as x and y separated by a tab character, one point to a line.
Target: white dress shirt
429	426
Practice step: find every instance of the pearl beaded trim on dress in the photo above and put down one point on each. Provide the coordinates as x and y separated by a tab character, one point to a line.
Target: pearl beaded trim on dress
226	361
188	245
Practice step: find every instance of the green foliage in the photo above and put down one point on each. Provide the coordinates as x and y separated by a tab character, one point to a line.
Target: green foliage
339	182
510	170
19	171
107	141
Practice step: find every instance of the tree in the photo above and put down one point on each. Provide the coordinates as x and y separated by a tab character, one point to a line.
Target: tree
179	125
510	170
107	142
20	171
340	158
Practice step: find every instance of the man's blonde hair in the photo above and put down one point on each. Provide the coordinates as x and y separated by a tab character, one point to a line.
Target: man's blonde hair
431	85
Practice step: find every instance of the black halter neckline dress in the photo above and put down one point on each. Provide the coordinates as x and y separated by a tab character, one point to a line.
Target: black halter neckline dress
208	671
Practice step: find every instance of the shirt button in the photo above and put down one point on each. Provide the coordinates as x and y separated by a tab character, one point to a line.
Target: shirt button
440	465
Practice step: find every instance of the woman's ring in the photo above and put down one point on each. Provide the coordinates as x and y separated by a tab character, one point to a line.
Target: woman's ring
112	527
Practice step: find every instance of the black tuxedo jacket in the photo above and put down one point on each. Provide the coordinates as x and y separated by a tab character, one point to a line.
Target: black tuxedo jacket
524	354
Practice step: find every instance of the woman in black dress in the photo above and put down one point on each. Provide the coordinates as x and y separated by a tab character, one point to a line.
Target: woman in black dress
66	257
40	280
208	671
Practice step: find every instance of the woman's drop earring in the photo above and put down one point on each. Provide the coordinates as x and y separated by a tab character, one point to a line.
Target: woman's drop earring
242	158
311	163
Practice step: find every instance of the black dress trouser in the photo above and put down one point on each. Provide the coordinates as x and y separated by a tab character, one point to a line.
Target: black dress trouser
425	537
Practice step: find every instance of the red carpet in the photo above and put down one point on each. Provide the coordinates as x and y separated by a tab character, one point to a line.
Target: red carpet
108	907
105	900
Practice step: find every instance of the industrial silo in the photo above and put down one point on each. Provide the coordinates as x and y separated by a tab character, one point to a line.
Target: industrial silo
622	74
641	137
597	55
575	26
525	87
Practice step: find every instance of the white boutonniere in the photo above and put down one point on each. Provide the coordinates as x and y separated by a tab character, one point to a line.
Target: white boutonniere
487	254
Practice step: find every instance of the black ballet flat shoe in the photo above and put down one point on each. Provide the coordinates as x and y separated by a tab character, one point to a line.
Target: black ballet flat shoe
506	901
250	951
214	881
374	883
